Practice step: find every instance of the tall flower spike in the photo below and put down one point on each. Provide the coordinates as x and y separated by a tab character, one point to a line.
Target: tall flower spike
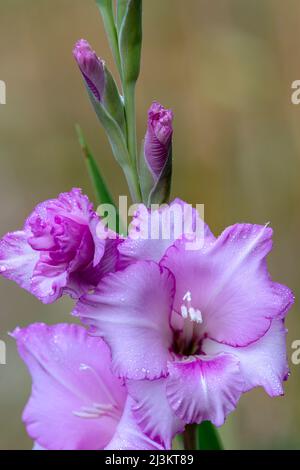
91	67
158	138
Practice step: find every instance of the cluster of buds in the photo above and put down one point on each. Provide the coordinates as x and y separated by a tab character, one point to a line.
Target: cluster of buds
149	177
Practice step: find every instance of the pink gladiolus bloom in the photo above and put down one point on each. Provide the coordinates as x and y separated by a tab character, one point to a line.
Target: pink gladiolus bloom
195	329
76	402
58	250
158	137
91	67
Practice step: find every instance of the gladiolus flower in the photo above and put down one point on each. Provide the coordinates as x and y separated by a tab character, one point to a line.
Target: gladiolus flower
196	329
58	250
91	67
76	402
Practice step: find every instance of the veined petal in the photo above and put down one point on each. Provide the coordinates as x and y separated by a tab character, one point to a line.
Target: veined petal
17	258
48	281
131	310
152	410
229	284
263	363
76	402
129	436
204	389
153	232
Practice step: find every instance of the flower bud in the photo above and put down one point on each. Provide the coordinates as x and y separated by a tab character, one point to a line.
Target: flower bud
158	139
91	67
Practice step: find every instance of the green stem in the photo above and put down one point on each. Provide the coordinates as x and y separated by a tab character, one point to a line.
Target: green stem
129	103
133	183
189	437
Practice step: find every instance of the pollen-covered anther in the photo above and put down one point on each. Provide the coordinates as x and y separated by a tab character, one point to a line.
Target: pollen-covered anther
187	310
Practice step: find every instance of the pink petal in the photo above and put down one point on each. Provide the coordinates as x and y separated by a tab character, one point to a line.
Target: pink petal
83	281
76	402
130	309
168	224
98	242
48	281
152	410
230	285
17	258
36	446
204	389
129	436
263	363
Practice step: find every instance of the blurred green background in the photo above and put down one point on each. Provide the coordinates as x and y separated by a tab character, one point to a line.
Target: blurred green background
225	67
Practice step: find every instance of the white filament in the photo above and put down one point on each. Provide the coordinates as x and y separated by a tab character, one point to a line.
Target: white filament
187	310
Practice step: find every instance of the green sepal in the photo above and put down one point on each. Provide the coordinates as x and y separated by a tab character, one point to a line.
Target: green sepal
114	133
155	191
106	8
130	40
121	9
146	178
160	192
113	102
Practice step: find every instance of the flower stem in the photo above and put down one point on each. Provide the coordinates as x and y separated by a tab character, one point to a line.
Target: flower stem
129	102
190	437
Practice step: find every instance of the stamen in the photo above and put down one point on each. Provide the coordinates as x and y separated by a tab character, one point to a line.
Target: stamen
187	310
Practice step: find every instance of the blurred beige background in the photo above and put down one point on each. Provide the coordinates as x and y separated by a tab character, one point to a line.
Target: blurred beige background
225	67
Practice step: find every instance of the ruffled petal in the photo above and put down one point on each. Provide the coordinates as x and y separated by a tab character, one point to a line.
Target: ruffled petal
228	282
152	233
153	412
204	389
99	243
48	281
17	258
131	309
76	402
129	436
81	282
263	363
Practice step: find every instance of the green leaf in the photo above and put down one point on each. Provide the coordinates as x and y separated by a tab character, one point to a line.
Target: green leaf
208	437
130	41
102	193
